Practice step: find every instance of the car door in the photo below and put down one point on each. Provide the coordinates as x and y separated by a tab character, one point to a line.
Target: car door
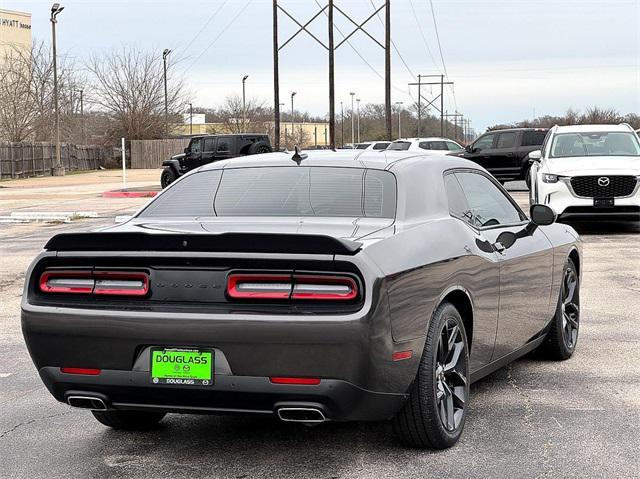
208	150
193	158
525	256
224	148
503	162
481	149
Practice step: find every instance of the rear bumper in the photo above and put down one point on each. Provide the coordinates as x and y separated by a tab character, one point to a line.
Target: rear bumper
132	390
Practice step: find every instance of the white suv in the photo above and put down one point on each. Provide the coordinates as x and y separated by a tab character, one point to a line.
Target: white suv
588	171
432	146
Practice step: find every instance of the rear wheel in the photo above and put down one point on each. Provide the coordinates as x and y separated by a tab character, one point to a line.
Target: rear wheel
259	147
527	178
167	177
434	414
128	420
562	337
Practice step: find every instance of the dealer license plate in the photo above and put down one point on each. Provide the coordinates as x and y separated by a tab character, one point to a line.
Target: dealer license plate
603	202
184	367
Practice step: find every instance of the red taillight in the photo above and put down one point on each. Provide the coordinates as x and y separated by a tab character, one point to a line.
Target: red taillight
85	371
116	283
304	381
303	287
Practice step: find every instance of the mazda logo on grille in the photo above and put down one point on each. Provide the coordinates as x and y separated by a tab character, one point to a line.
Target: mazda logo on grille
603	181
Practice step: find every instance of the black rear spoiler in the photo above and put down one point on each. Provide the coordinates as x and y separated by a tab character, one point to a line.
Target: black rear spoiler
225	242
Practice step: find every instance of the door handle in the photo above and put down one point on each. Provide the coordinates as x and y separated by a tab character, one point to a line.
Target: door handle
499	247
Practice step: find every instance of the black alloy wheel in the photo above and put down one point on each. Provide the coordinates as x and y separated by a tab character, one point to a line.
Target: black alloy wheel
562	337
451	376
434	414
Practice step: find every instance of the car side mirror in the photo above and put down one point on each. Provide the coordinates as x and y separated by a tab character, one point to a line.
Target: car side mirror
468	149
535	156
542	215
187	150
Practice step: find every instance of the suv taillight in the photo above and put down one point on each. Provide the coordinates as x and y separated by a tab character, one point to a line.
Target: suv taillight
300	287
113	283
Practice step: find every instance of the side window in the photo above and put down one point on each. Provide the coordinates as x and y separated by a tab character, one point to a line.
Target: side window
223	145
458	206
533	138
196	145
209	145
484	142
487	203
380	146
507	140
452	146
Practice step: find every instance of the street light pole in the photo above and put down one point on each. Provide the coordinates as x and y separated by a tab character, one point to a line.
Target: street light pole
190	118
342	123
353	131
82	115
58	168
281	105
293	93
165	54
358	103
399	103
244	105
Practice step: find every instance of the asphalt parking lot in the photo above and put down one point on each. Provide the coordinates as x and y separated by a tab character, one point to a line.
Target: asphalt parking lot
534	418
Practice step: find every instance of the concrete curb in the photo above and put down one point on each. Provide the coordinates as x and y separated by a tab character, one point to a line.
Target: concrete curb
129	194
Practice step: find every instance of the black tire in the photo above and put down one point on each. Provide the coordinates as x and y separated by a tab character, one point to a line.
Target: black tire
420	422
167	177
129	420
527	178
259	147
562	338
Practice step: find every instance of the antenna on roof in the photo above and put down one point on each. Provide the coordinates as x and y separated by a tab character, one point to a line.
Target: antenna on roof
298	157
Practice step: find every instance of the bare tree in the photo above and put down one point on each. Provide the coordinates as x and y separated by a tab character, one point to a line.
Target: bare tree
129	89
230	114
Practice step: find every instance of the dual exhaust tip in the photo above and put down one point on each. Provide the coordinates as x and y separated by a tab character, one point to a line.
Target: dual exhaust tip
305	415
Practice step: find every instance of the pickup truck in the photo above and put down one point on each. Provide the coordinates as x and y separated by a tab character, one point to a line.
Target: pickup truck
505	153
209	148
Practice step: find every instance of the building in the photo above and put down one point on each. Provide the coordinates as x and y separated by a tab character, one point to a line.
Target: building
15	33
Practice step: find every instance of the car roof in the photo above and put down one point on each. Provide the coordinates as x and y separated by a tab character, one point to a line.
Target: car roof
516	129
381	160
430	138
591	128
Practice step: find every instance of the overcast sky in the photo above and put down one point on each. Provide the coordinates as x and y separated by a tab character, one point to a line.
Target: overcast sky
508	58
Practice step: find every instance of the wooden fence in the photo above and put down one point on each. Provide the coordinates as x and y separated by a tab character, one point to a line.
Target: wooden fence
151	153
20	160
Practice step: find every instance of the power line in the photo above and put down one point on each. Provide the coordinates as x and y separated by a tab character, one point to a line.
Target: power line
424	38
226	27
444	66
205	25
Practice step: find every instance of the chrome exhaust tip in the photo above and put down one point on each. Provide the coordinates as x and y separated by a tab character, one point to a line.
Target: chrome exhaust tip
87	402
305	415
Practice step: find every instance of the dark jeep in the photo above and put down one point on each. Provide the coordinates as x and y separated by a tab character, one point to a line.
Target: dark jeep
209	148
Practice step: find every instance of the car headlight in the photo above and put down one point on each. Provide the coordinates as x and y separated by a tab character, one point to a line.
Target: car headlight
549	178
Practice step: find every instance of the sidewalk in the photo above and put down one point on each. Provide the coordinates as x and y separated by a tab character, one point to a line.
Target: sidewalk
81	191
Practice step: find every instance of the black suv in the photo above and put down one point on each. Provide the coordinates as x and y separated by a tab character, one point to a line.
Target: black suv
505	153
209	148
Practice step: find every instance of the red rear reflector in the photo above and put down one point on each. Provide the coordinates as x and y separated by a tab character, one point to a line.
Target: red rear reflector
115	283
400	355
85	371
306	381
307	287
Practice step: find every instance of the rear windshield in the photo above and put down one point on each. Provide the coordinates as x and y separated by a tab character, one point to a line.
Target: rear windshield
399	145
595	144
280	191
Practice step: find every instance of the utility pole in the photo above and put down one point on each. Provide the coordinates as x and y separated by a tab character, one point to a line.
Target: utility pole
332	87
244	105
419	104
342	123
399	104
431	102
165	54
353	130
387	69
455	117
81	116
358	103
58	168
276	80
293	131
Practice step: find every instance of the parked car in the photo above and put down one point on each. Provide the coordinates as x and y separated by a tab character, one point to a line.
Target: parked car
339	286
430	146
209	148
372	145
587	171
505	153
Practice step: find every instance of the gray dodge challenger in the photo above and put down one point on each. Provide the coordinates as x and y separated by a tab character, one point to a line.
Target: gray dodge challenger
338	286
